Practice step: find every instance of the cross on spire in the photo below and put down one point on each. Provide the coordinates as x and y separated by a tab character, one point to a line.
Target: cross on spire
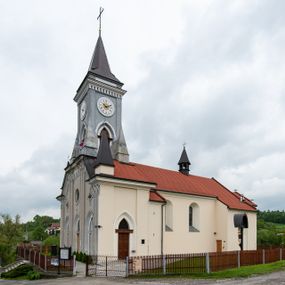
101	10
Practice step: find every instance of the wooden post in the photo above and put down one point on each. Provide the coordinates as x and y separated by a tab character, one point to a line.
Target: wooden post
280	254
263	256
208	270
45	263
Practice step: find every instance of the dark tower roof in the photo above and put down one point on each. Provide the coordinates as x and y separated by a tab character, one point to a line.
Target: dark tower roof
104	155
99	64
184	162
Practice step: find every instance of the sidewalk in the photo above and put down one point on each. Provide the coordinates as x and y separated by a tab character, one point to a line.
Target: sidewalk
80	269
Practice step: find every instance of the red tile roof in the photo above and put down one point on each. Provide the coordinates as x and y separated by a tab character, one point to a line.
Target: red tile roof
155	197
174	181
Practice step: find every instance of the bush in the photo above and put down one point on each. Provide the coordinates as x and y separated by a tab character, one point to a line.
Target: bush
33	275
80	256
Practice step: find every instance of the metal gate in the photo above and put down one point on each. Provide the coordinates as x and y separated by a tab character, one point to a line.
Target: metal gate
106	266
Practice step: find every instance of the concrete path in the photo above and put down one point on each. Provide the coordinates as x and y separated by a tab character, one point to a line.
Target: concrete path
80	269
275	278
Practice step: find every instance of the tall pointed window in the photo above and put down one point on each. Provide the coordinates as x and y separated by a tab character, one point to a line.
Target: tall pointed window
123	225
193	218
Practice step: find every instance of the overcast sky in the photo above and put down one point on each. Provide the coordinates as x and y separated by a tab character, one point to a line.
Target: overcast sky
208	73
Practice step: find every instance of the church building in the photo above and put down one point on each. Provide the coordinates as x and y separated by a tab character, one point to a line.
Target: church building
111	206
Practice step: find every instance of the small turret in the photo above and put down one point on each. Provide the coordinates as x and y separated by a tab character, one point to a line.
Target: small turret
184	162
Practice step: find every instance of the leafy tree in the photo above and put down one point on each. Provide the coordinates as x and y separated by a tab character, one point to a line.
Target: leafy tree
35	229
51	240
10	235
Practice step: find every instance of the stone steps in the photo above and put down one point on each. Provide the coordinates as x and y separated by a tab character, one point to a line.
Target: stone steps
12	266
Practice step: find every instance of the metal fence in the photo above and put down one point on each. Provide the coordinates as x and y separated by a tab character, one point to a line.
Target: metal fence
45	262
199	263
106	266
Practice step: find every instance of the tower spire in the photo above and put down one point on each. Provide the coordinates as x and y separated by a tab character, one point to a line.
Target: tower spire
99	64
184	162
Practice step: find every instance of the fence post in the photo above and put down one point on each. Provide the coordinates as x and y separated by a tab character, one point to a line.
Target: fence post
208	262
263	256
45	263
127	266
74	264
280	254
164	264
86	267
238	258
106	265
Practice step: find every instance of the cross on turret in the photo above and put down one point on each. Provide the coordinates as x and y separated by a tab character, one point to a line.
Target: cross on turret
101	10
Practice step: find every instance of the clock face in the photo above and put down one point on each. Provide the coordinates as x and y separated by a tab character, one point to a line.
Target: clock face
105	106
83	110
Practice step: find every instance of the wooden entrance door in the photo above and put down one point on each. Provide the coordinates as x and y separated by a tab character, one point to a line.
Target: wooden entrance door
123	244
219	245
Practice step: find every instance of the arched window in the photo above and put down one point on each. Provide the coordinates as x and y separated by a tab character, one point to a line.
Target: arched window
193	218
76	195
78	236
83	137
90	235
168	217
123	225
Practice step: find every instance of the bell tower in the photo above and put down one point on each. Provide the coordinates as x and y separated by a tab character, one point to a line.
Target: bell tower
99	102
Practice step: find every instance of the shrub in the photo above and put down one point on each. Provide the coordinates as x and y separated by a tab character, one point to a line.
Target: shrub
33	275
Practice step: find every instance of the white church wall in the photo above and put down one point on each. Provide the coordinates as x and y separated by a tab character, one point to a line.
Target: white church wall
221	221
249	234
181	239
153	242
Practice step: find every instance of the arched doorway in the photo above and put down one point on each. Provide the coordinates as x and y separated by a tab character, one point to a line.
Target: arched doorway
123	239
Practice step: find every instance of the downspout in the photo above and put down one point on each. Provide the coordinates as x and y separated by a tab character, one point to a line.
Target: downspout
162	230
96	220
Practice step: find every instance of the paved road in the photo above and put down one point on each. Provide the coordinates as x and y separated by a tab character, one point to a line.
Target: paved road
275	278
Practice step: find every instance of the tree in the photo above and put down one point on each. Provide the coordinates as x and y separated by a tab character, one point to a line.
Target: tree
10	235
36	228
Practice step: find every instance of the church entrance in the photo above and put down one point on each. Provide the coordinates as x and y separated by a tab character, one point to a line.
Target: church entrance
123	239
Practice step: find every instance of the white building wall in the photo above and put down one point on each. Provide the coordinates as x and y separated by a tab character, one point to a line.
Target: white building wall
249	234
116	201
221	222
181	240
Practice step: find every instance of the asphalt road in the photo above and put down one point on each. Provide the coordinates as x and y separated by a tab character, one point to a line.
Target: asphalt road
269	279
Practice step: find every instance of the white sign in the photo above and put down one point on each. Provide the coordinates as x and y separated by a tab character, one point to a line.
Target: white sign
54	261
64	253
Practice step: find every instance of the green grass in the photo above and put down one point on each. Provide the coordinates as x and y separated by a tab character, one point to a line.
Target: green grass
242	272
246	271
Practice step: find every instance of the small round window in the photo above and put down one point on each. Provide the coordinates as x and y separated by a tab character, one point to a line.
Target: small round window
76	195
